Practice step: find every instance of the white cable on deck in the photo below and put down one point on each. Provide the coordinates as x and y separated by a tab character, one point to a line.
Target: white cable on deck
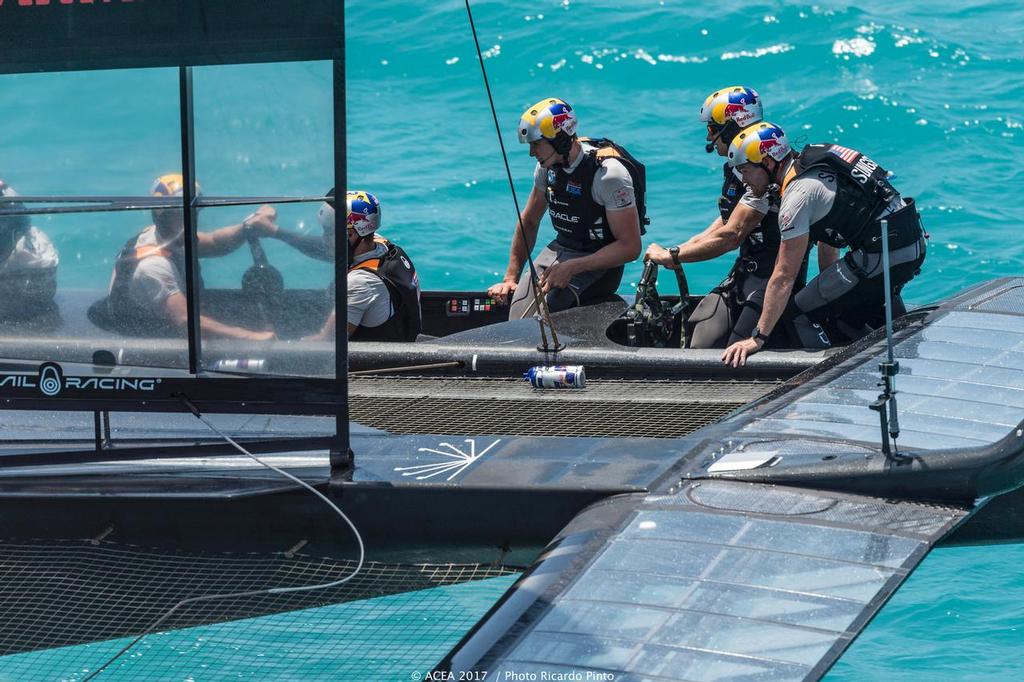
250	593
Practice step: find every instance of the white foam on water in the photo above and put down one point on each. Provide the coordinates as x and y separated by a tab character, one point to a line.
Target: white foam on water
856	47
759	52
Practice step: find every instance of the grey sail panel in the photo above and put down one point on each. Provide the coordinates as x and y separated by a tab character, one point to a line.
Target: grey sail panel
720	580
951	391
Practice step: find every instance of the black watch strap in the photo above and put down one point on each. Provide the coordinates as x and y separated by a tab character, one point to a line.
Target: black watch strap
759	335
674	252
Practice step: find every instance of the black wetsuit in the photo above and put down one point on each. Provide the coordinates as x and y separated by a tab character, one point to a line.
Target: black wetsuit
848	297
731	310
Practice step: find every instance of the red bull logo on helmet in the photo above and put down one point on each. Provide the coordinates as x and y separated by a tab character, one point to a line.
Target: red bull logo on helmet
739	104
767	145
360	208
363	212
562	118
772	142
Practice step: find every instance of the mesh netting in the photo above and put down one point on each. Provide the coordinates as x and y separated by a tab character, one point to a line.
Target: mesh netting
488	406
68	606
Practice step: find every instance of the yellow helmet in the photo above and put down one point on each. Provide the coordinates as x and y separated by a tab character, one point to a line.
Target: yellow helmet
736	103
550	119
758	142
171	185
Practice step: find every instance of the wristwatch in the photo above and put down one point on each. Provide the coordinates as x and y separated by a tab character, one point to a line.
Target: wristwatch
757	335
674	252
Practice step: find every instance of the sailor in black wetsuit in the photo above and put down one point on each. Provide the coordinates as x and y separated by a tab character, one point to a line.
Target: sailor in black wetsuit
383	288
745	221
836	196
589	189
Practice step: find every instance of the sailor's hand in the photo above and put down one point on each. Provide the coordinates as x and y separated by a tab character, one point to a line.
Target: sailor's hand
557	276
263	222
660	255
262	336
737	354
502	290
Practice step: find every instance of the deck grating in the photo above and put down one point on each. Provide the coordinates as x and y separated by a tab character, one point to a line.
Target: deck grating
488	406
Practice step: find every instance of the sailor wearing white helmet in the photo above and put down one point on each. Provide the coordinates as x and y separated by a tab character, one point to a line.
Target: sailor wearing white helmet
146	295
745	220
837	197
593	192
383	299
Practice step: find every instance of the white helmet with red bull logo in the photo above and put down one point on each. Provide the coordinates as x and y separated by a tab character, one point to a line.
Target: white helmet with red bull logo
737	103
729	110
363	212
757	143
550	119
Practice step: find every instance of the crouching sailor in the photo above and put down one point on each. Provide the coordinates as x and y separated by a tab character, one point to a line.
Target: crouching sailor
28	265
730	311
836	196
383	289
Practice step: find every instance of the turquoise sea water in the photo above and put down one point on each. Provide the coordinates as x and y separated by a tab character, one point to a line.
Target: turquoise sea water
930	90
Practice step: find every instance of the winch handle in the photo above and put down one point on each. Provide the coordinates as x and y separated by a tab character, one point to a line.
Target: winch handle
262	283
648	278
684	287
683	307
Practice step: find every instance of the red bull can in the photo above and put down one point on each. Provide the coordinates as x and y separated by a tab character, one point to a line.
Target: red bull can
239	365
558	376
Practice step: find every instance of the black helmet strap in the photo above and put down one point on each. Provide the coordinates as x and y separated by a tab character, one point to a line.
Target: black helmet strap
725	132
562	144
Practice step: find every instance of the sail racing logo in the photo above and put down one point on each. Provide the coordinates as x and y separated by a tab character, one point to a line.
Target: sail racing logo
39	3
51	382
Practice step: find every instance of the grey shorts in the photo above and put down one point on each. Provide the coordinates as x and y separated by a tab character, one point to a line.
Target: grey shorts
583	288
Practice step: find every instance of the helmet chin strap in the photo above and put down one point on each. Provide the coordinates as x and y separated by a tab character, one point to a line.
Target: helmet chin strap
710	146
774	182
553	153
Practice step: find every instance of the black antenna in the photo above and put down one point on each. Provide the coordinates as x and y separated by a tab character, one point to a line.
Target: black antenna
539	300
888	416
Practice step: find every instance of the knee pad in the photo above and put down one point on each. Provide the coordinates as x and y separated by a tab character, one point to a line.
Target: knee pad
561	299
810	334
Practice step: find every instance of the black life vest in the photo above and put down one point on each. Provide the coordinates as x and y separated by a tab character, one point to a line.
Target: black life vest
582	223
760	248
126	315
399	275
863	192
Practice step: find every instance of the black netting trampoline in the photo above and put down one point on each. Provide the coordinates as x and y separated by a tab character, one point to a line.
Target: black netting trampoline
69	606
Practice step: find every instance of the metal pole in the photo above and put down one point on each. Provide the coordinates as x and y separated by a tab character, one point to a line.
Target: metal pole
97	430
893	367
341	455
188	173
888	287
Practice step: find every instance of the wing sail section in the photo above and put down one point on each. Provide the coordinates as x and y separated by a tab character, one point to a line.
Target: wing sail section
716	580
